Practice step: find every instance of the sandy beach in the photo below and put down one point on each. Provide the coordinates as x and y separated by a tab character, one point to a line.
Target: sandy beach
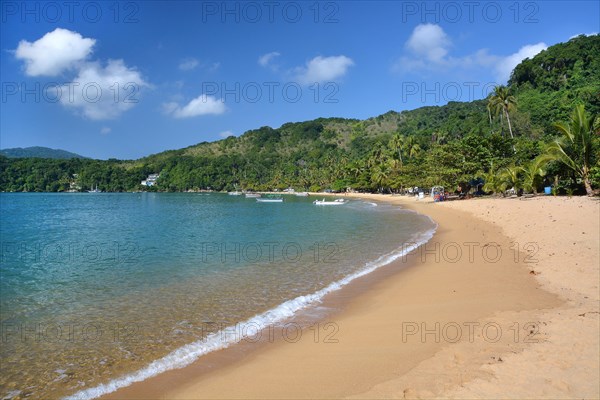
503	302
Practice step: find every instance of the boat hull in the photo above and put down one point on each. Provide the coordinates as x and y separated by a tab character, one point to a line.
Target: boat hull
338	202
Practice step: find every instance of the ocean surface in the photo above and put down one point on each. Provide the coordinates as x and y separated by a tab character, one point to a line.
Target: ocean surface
101	290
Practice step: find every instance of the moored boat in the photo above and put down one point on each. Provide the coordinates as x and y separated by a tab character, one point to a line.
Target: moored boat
336	202
269	200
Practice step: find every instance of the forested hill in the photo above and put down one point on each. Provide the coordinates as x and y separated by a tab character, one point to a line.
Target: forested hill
424	147
551	83
38	152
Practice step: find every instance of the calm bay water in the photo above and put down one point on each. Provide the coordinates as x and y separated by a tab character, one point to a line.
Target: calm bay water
98	290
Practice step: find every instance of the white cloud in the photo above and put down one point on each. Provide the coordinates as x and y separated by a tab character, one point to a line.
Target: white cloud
105	130
201	105
584	34
481	57
97	91
266	59
505	65
429	48
103	92
170	107
226	134
54	53
429	41
188	64
321	69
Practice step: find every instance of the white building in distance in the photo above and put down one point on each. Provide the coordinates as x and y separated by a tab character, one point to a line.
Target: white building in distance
150	180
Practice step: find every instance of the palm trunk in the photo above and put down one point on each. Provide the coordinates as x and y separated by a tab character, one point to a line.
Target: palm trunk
588	186
587	182
510	129
509	126
585	177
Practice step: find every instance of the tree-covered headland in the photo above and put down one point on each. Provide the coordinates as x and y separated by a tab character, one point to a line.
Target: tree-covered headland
541	129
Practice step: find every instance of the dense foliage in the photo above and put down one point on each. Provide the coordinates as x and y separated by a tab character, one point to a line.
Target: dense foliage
553	82
50	175
503	139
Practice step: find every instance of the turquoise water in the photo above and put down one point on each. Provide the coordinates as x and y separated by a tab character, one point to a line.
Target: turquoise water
99	290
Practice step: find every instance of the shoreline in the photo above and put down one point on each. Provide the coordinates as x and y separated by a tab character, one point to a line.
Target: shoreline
312	312
377	354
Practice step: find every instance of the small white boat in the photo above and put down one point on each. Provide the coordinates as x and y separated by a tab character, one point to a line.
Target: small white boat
269	200
302	194
252	195
92	190
236	193
336	202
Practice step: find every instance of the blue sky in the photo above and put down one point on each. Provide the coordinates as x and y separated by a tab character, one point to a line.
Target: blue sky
128	79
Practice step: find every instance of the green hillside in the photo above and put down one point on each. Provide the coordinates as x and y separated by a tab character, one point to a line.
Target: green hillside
549	85
38	152
422	147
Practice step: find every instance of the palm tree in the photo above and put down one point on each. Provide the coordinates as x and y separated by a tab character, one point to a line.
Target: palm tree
441	137
342	166
357	168
394	164
575	146
396	144
503	102
493	183
379	176
511	178
378	156
411	147
532	172
489	110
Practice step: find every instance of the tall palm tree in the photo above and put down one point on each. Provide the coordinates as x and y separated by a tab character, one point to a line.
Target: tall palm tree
488	107
377	156
396	144
342	166
357	168
503	102
411	147
575	146
380	176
